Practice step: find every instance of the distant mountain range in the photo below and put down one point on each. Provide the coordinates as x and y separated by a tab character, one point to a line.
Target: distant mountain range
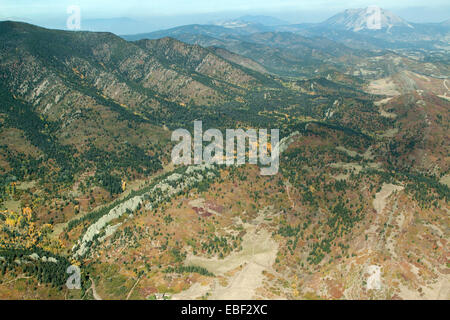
252	20
303	49
446	23
371	27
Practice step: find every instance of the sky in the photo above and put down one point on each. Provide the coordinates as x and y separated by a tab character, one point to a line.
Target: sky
158	14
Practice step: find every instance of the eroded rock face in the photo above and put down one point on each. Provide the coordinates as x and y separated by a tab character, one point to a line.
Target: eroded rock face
164	190
286	141
95	229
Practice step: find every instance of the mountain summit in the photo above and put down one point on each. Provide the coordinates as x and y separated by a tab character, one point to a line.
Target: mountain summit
370	18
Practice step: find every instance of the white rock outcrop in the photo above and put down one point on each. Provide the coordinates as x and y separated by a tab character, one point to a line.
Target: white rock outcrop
164	190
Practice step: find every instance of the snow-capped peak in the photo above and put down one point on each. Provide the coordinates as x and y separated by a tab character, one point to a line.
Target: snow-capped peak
370	18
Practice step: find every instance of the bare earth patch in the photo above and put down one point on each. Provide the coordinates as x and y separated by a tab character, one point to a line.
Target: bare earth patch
258	254
380	201
445	180
385	86
438	290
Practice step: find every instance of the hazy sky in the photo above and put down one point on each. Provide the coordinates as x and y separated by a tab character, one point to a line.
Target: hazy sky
165	13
